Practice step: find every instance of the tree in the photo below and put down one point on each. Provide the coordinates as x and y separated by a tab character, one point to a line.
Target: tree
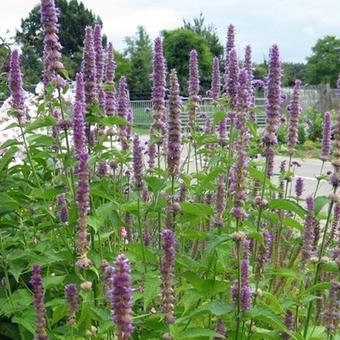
293	71
208	33
323	66
139	52
72	21
177	45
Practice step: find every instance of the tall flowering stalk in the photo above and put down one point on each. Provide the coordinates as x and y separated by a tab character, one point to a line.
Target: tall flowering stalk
194	87
272	106
71	294
123	111
40	311
294	110
308	236
62	208
158	127
121	298
298	188
232	79
326	137
245	287
52	47
99	54
220	200
167	272
215	89
15	85
331	315
289	323
89	68
79	137
174	126
110	100
137	164
220	329
248	66
229	46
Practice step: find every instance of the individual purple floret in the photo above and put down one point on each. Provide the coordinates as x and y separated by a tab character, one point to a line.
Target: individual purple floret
40	311
294	110
79	137
52	47
308	233
214	92
174	126
89	67
299	187
110	99
122	298
232	80
137	164
71	294
326	137
15	85
194	87
62	209
167	272
99	53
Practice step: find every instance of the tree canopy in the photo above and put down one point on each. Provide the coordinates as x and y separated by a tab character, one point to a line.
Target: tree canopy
177	45
323	66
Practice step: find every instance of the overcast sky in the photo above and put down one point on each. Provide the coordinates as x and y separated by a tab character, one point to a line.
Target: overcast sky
293	24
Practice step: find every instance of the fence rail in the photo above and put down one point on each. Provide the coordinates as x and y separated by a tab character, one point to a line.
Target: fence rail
142	111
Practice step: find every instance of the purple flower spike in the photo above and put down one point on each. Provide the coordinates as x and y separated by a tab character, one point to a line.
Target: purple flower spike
299	187
158	126
62	209
248	66
99	52
15	85
220	329
289	323
174	125
40	311
79	137
230	42
137	164
121	298
232	79
71	294
331	316
110	99
326	137
52	47
215	80
167	272
123	111
194	87
308	233
89	67
244	94
294	110
245	288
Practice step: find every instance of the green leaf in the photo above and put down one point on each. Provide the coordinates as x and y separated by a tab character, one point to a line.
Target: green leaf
287	205
9	142
195	333
319	203
218	116
52	281
155	184
197	209
113	120
40	123
217	308
151	289
7	157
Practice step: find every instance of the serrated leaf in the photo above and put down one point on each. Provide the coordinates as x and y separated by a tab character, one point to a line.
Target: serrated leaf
151	289
40	122
287	205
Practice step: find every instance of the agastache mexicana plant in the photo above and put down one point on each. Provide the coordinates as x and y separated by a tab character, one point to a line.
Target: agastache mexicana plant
110	99
52	47
229	46
40	311
326	137
137	164
232	79
122	298
220	200
248	66
167	273
215	89
99	54
331	316
62	208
